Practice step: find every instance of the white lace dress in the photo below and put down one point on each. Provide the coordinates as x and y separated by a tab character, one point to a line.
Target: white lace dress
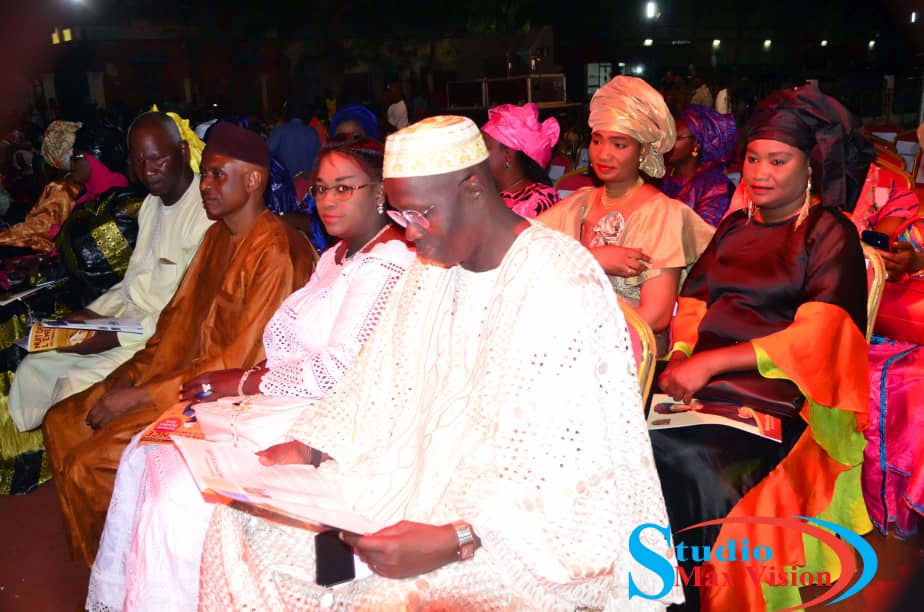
149	554
507	399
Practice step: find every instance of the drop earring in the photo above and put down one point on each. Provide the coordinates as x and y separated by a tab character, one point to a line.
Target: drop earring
695	153
507	165
381	207
804	211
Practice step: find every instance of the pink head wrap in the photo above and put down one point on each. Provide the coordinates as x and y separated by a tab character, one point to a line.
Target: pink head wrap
101	180
518	127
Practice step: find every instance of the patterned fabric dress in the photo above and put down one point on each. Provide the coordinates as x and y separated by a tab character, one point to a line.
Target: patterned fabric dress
531	200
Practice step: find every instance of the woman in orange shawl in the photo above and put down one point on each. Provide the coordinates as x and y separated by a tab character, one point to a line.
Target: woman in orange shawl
793	330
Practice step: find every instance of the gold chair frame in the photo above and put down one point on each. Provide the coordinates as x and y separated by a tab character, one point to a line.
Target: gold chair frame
646	366
901	172
877	286
575	172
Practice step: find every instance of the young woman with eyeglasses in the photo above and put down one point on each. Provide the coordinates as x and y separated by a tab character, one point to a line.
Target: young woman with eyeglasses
151	556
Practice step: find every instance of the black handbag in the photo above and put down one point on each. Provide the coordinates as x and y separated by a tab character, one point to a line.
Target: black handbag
776	397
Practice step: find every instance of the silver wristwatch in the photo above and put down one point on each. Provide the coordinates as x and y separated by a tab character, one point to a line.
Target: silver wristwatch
466	549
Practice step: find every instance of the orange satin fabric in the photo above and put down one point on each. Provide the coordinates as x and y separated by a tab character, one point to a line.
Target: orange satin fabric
215	321
53	208
824	331
685	325
824	352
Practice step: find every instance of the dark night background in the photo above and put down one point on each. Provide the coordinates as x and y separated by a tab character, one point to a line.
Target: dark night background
145	49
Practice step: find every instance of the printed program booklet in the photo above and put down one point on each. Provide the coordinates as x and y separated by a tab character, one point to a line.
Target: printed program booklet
42	338
128	326
667	413
298	492
178	420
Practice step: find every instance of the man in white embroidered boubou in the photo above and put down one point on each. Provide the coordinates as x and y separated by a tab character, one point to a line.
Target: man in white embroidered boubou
494	422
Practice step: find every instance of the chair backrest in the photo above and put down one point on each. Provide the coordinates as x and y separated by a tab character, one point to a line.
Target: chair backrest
875	282
573	181
643	346
917	168
559	166
889	172
890	157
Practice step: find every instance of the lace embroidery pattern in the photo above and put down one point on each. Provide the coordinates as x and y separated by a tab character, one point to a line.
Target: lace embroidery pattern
536	438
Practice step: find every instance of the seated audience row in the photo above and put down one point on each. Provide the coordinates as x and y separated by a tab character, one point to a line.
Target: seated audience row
474	431
157	519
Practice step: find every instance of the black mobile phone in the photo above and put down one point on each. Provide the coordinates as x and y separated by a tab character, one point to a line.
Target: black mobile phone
333	559
876	239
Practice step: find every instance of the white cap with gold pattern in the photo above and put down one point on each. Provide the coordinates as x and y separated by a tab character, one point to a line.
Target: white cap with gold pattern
436	145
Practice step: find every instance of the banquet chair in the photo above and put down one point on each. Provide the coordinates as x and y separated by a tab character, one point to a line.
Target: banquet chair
643	347
889	172
573	181
559	166
890	157
876	279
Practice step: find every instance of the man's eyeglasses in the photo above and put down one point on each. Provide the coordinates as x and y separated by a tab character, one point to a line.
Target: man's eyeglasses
158	162
404	217
340	192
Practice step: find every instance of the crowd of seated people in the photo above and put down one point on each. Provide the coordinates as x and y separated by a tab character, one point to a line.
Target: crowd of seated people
505	458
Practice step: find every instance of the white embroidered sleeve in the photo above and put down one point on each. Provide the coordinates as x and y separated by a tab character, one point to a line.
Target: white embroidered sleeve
311	376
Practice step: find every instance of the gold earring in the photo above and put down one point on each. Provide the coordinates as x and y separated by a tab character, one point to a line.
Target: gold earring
749	204
804	211
507	165
695	153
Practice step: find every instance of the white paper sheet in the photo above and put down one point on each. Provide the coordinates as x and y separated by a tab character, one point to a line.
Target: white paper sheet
297	491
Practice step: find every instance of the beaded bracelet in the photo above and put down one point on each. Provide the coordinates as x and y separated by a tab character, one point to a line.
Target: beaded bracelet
244	377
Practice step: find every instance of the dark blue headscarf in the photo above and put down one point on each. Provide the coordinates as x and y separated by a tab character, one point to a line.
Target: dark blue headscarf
715	133
361	115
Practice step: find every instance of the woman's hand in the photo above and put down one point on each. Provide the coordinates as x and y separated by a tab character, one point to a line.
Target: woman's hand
621	261
406	549
685	376
903	259
115	403
210	386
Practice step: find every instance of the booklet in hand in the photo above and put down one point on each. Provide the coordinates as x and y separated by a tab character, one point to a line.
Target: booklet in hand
295	491
668	413
128	326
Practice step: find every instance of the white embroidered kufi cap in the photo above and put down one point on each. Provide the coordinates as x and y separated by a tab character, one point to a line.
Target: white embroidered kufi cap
436	145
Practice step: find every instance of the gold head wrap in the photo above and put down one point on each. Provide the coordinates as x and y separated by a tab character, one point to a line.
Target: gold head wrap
631	106
196	146
436	145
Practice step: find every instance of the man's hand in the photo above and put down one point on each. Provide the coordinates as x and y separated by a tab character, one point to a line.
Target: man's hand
286	453
97	343
81	315
115	403
406	549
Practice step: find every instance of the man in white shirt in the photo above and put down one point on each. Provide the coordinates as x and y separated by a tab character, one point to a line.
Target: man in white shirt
397	109
171	224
